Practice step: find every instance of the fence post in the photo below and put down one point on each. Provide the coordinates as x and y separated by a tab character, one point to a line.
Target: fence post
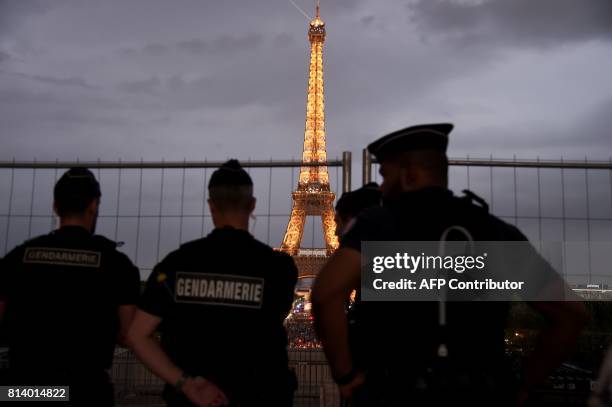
346	171
366	172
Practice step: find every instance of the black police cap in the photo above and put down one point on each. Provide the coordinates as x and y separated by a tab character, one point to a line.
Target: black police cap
77	183
230	173
421	137
353	202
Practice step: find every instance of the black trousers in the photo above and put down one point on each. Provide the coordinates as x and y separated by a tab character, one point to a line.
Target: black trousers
395	388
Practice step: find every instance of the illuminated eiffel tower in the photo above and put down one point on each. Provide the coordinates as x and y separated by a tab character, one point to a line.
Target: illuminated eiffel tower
313	196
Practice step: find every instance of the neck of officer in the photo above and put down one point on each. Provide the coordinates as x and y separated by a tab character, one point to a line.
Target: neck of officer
416	186
237	220
82	221
432	184
416	180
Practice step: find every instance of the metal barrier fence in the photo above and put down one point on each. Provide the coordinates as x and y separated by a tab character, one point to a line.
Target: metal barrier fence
569	201
136	386
153	207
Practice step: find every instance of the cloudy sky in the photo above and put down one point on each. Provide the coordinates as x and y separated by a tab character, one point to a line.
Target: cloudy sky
197	79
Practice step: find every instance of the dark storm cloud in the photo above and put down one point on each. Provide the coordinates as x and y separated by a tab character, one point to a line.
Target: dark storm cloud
531	138
13	13
150	85
230	77
71	81
222	44
4	56
71	124
515	22
595	128
367	20
177	93
150	50
283	40
43	107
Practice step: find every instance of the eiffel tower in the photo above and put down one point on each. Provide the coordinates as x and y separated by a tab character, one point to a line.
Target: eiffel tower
313	196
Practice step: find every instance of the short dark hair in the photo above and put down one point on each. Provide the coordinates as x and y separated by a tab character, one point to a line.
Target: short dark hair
74	191
231	197
231	187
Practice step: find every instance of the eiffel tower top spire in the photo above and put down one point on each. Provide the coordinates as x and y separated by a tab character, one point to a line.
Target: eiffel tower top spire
317	20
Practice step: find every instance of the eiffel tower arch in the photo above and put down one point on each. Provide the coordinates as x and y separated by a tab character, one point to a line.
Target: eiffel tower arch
313	196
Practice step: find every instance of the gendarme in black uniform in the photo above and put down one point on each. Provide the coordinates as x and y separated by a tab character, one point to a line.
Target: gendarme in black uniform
62	292
405	335
223	300
397	342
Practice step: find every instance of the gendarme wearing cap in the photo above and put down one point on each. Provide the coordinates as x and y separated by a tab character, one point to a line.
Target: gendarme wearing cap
413	158
421	137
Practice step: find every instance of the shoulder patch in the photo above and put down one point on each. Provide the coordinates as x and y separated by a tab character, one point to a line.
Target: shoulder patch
62	257
473	199
219	289
161	277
